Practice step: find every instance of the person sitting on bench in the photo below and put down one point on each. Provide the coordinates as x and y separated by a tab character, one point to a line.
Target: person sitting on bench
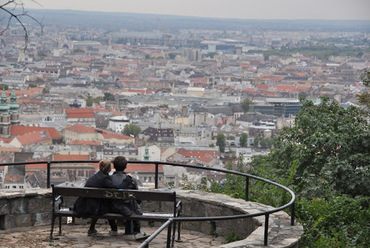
125	181
88	207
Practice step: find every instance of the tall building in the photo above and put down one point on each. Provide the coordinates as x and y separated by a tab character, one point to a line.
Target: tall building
8	113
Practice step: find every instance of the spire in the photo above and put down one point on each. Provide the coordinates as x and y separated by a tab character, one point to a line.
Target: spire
4	108
13	106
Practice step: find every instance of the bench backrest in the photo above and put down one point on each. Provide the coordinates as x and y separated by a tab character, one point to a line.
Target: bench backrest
114	193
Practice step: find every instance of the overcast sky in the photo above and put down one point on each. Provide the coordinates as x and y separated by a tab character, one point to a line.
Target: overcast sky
244	9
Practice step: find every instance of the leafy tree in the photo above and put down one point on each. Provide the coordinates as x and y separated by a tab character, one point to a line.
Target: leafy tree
256	142
109	96
364	98
131	130
89	101
243	140
221	142
331	145
246	105
163	106
324	157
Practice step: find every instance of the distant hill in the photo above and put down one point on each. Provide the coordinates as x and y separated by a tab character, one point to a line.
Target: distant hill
149	22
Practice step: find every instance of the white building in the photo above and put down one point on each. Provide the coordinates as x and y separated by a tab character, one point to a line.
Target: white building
118	123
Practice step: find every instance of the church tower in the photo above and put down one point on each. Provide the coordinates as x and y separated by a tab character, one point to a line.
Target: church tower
4	115
13	109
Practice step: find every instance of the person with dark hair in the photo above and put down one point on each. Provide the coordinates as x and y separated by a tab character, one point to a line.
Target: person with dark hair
128	207
87	207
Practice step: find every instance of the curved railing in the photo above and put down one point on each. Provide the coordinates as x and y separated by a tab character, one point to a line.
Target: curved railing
184	219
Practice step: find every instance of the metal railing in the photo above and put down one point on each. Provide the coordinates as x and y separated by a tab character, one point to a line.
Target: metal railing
185	219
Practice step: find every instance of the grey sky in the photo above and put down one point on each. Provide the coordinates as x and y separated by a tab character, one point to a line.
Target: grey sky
245	9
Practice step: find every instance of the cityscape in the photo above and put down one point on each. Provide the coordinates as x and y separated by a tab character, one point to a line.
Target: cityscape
69	92
244	123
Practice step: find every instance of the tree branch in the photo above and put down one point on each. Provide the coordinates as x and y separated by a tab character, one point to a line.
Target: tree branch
10	8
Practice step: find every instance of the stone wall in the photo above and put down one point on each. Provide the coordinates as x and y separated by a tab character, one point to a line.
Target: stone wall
33	207
21	209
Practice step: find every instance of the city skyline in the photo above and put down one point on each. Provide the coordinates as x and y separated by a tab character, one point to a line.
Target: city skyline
239	9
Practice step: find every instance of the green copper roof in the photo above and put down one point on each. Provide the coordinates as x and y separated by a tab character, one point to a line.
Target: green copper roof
13	105
4	107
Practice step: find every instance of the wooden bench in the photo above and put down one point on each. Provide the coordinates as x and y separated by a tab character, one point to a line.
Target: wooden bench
58	211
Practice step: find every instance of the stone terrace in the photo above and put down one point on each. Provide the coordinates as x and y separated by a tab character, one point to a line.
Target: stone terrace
31	210
76	236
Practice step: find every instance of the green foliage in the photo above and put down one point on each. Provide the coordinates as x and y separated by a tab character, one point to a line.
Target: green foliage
98	83
4	87
243	140
246	105
221	142
42	54
109	97
340	221
324	158
364	97
131	130
90	100
232	237
32	86
163	106
233	185
331	145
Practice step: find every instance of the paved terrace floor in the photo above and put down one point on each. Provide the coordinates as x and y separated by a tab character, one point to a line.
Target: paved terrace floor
76	236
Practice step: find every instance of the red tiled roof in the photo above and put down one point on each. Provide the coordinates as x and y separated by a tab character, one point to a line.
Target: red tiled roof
80	113
65	157
34	138
79	128
197	154
36	166
274	78
6	140
107	135
290	88
205	159
21	130
142	167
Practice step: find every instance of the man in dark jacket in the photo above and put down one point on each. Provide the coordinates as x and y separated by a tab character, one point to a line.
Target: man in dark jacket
125	181
86	207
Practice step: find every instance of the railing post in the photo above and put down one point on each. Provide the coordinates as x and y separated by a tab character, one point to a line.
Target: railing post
266	229
48	174
169	235
292	213
247	188
156	175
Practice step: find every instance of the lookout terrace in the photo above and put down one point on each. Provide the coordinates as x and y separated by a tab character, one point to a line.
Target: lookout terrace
207	220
